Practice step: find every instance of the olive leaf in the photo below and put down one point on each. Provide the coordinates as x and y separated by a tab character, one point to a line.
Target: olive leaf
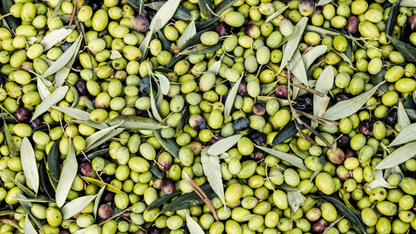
115	54
378	78
10	22
38	200
212	170
69	171
25	189
27	207
408	3
345	108
324	32
193	226
297	67
288	131
9	139
203	25
344	57
405	49
134	123
402	118
205	8
187	34
144	46
313	54
405	136
163	15
168	144
54	162
398	156
229	103
347	213
45	181
155	170
294	196
63	73
379	180
392	18
153	107
57	9
323	2
159	95
295	161
100	183
292	44
164	83
29	229
99	135
278	12
182	120
64	58
295	148
323	85
223	5
89	104
11	222
75	206
162	200
194	40
343	196
265	89
181	13
81	115
42	89
223	145
50	100
80	231
104	138
201	49
54	37
30	169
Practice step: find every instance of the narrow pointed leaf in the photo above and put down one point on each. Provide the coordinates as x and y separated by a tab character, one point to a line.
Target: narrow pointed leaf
405	136
73	112
398	156
277	13
164	83
288	131
378	78
69	171
99	135
323	85
29	229
294	197
295	161
54	162
215	67
345	108
223	5
44	180
153	107
54	37
75	206
57	9
212	170
115	55
114	132
164	14
27	207
193	226
189	32
323	2
344	57
292	44
30	169
402	118
313	54
50	100
9	140
130	122
108	187
297	67
223	145
405	49
168	144
144	46
11	222
22	187
408	3
97	201
229	103
42	89
162	201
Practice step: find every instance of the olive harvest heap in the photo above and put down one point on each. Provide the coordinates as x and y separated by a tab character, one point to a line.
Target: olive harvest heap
199	116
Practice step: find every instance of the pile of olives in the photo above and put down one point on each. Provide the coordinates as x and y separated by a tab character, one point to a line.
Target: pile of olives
135	93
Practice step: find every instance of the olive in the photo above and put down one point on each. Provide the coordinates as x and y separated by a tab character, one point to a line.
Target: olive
144	85
140	24
241	124
105	211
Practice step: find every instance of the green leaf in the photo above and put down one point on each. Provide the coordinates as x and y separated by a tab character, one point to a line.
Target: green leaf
89	104
45	181
103	139
344	57
163	15
155	170
54	163
108	187
134	123
265	89
295	148
323	2
189	32
27	207
405	136
294	196
144	46
97	153
297	67
398	156
57	9
405	49
164	83
42	89
50	100
162	201
29	229
229	103
75	206
289	130
182	121
323	32
343	196
193	226
168	144
9	139
115	55
97	201
181	13
54	37
205	8
392	18
292	44
347	213
100	135
313	54
30	169
223	145
153	107
295	161
379	78
212	170
69	171
345	108
408	3
25	189
223	5
402	118
379	180
201	49
277	13
324	84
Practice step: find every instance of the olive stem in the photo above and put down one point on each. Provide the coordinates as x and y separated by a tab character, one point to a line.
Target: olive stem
115	216
332	224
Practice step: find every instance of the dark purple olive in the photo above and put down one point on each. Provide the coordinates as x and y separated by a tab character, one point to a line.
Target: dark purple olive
306	7
86	169
242	90
259	108
140	24
150	14
241	124
304	104
27	66
341	97
157	183
282	91
108	196
349	153
343	141
216	139
411	22
257	154
391	118
222	29
36	123
144	85
153	230
197	122
81	86
167	186
365	127
352	24
105	211
336	156
22	115
164	161
64	232
319	226
127	214
65	46
318	10
257	137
